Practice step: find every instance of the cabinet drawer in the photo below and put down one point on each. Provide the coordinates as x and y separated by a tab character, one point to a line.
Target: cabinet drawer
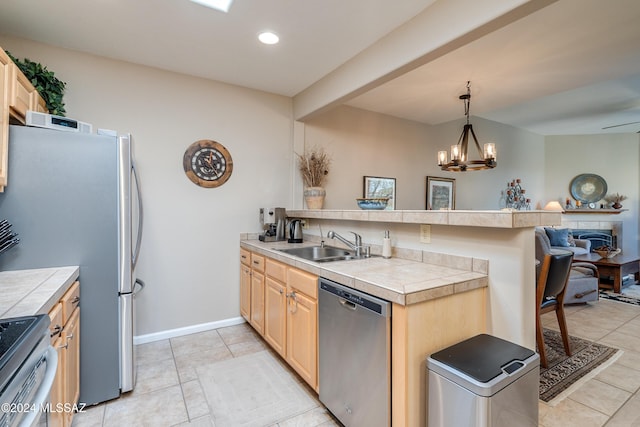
55	328
257	262
303	281
245	256
70	300
276	270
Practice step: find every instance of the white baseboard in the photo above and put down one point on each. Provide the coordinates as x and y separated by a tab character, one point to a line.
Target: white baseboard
172	333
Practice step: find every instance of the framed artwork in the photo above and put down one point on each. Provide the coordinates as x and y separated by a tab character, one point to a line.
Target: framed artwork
441	193
379	187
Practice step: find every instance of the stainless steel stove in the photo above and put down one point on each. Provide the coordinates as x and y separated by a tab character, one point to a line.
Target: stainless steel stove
27	369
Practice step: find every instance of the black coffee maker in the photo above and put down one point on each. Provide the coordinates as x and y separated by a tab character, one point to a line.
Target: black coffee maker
273	220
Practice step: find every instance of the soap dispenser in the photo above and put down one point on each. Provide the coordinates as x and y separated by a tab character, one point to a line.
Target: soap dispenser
386	245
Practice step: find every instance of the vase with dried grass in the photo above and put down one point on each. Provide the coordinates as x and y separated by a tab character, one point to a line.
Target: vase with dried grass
615	199
313	165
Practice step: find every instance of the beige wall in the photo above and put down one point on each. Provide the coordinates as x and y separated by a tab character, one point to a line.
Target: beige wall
615	157
365	143
189	257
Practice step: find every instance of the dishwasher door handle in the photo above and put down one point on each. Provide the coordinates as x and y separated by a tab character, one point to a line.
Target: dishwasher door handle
347	304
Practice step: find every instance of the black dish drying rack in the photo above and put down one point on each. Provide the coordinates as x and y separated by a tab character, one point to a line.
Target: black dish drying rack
8	238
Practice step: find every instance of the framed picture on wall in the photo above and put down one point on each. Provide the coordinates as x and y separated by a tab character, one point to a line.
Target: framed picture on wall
375	187
441	193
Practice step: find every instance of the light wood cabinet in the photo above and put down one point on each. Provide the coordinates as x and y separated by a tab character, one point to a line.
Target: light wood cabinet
284	310
245	284
257	293
5	62
37	103
17	95
72	368
56	419
65	338
275	306
302	325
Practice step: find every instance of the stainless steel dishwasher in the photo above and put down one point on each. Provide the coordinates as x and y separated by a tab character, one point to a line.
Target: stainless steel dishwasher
354	337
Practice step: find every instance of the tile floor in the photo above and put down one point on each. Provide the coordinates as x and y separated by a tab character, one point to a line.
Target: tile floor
168	391
611	398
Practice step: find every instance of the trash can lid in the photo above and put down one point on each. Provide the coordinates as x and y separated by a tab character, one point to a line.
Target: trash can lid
482	357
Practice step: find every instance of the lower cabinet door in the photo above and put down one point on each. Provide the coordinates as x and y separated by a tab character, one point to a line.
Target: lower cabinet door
72	361
245	292
275	315
302	339
57	418
257	301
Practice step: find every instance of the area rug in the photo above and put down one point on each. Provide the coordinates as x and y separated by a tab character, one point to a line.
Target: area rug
630	294
629	298
565	374
253	390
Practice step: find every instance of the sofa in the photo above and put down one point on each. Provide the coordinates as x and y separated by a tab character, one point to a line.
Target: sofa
561	238
583	281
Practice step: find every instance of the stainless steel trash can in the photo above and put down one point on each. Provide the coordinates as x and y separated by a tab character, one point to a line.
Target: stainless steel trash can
483	381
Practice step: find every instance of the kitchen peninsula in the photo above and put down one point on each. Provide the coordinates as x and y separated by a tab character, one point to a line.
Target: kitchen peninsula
476	274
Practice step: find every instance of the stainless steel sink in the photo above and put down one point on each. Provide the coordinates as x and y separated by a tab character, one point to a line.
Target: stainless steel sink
321	253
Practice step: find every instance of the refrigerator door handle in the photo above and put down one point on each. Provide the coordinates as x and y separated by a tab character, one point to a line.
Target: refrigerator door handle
125	219
134	259
141	284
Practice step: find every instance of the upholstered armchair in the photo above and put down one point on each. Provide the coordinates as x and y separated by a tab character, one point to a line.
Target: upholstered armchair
561	238
583	278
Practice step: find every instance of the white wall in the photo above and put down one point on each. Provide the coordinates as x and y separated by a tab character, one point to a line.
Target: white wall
189	257
615	157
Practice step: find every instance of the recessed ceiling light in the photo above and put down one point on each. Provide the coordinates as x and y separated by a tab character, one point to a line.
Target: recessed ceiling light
221	5
268	37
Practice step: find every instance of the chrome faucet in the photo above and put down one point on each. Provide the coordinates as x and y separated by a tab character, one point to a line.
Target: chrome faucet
355	247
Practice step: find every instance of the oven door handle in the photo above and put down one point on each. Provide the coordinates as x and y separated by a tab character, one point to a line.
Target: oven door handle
42	395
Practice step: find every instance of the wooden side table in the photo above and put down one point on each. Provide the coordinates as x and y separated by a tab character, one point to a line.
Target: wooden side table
616	267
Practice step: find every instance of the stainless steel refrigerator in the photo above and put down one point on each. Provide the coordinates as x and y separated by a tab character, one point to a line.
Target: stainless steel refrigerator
74	199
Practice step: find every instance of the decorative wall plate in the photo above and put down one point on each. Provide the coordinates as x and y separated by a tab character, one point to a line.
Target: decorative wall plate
207	163
588	188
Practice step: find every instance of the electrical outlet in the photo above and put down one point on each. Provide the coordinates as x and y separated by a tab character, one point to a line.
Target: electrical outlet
305	224
425	233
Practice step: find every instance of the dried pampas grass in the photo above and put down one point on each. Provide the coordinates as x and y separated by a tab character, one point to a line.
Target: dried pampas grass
314	166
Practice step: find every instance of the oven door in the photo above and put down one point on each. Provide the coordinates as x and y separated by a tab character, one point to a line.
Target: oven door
27	395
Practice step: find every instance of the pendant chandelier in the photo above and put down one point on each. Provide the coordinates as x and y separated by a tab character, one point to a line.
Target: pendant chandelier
459	160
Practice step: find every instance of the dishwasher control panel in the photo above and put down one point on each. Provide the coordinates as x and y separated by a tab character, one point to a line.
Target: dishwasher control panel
356	297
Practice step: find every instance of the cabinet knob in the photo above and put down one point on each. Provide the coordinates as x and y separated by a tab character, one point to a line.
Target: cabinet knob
75	300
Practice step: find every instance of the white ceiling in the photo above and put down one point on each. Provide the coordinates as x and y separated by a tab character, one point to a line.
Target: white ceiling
572	67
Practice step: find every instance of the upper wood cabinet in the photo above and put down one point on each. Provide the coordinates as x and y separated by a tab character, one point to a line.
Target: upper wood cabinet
17	95
5	62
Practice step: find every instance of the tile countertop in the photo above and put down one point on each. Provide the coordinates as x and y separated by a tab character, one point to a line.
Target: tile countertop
29	292
401	281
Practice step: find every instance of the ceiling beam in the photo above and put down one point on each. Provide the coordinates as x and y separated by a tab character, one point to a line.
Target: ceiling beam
441	28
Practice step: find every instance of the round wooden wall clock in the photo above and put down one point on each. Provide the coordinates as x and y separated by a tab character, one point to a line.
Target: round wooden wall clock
207	163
